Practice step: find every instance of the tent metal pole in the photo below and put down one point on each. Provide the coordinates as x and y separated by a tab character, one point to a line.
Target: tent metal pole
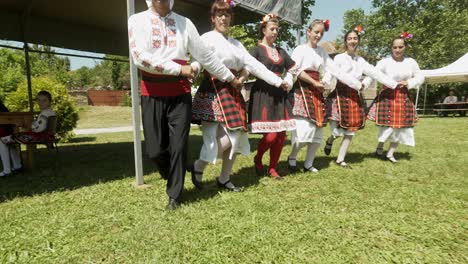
135	110
28	76
425	94
24	30
417	99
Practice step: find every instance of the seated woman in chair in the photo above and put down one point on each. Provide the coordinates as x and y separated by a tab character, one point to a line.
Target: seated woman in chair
7	153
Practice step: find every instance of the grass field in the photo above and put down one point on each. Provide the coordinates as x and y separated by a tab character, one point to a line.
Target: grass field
104	116
85	209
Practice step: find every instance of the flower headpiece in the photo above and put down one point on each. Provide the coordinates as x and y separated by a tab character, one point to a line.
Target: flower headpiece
326	23
406	35
230	2
267	18
359	30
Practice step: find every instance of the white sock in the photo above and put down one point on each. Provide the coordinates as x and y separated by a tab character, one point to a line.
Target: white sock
391	149
344	148
295	148
311	150
226	168
199	165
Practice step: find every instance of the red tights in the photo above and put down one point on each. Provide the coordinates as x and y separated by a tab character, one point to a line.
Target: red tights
273	141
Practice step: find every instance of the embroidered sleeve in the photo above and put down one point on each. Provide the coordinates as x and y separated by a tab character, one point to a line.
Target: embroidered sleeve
141	53
39	125
340	75
371	71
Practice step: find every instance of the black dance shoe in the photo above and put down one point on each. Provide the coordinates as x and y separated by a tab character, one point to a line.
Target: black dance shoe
172	205
328	147
198	184
292	169
230	187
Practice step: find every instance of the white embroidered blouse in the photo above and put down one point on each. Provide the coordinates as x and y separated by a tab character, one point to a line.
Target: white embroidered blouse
406	70
317	59
357	66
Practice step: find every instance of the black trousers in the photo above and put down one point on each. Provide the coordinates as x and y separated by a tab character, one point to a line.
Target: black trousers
166	125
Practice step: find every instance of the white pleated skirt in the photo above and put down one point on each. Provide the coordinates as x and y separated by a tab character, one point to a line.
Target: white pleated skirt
337	131
209	151
306	132
400	135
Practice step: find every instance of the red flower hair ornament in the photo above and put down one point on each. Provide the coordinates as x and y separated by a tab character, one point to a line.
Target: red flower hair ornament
230	2
406	35
267	18
326	23
359	30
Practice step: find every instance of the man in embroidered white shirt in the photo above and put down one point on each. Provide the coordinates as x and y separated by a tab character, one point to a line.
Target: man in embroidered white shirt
160	43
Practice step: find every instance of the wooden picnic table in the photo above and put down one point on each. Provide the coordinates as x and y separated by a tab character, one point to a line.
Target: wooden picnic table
21	120
445	108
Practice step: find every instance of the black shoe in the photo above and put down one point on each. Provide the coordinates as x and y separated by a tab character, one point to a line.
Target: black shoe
292	169
328	147
172	205
343	164
3	174
198	184
311	169
379	153
228	187
18	170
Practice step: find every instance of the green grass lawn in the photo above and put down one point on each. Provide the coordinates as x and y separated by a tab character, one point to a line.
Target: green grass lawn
104	116
85	210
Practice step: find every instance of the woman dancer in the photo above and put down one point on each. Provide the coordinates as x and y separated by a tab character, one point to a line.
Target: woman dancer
345	108
219	107
308	107
393	111
269	107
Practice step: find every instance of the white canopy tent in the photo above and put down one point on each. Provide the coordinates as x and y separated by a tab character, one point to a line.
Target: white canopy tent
455	72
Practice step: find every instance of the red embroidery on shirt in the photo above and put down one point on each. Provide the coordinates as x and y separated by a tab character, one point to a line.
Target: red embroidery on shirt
171	32
159	68
156	32
156	44
136	54
155	21
172	43
132	44
146	63
130	33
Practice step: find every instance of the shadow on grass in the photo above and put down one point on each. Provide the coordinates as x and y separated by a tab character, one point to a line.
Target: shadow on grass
76	166
82	165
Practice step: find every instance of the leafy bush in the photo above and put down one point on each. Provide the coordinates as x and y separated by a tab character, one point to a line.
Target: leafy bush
67	113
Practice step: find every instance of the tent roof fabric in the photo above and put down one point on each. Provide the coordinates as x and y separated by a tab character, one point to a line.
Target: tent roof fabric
455	72
101	25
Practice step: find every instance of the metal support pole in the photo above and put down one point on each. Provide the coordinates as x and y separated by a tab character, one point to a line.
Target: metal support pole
425	94
135	110
28	76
